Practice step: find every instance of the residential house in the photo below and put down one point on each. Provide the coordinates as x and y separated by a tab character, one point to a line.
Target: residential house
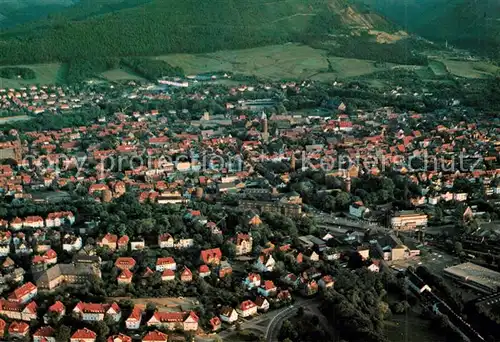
186	275
228	315
247	308
55	312
168	275
122	243
109	240
125	277
216	323
71	243
24	293
244	243
155	336
83	335
267	289
223	269
125	263
19	329
137	244
96	312
45	334
284	296
310	288
291	280
252	281
50	257
184	243
186	321
264	263
165	241
133	322
167	263
262	303
211	256
119	338
313	256
204	271
18	311
326	282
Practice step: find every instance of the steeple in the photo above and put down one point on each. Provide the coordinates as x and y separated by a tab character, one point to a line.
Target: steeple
265	128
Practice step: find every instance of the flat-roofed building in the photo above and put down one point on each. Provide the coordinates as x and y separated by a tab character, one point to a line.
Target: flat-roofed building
409	221
475	276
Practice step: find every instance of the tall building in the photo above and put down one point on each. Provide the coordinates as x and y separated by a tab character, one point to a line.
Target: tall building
265	128
293	162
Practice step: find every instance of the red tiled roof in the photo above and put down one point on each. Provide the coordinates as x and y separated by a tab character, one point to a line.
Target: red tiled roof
57	307
155	336
22	291
126	274
119	338
165	261
208	255
84	334
46	331
18	328
246	305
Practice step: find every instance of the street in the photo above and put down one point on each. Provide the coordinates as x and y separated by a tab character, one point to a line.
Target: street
276	318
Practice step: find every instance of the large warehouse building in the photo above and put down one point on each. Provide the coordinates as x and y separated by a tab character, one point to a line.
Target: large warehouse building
475	276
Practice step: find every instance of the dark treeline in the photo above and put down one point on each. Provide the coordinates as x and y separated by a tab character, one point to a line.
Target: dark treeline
82	69
16	72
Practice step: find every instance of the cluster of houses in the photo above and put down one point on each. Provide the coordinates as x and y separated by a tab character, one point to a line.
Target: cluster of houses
215	164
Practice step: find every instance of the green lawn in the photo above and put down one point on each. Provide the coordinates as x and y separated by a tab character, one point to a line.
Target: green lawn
45	74
438	68
288	61
471	69
120	75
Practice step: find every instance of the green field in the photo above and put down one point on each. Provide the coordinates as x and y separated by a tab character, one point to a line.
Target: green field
289	61
471	69
121	75
45	74
438	68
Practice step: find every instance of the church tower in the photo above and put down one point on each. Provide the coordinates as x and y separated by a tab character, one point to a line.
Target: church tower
265	128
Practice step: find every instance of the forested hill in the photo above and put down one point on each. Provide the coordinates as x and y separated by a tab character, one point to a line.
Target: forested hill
470	24
168	26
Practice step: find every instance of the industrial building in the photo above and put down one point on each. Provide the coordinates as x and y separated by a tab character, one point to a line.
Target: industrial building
477	277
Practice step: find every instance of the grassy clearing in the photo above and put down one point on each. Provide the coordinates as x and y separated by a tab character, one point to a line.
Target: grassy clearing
120	75
45	74
438	68
274	62
471	69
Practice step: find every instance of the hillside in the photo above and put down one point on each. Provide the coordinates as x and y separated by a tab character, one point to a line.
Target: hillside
140	27
469	24
14	12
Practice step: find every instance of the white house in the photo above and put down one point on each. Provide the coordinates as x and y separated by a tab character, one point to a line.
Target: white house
228	315
247	308
165	241
133	322
72	243
167	263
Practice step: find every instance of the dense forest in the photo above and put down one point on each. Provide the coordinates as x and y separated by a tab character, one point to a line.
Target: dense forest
167	26
17	72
